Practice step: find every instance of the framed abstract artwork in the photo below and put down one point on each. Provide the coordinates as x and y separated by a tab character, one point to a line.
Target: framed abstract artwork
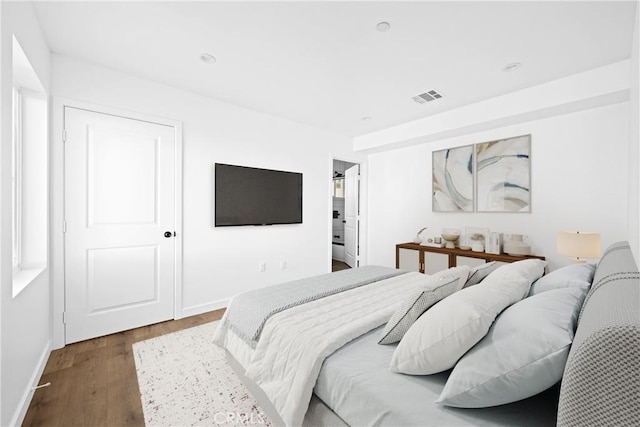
503	175
453	179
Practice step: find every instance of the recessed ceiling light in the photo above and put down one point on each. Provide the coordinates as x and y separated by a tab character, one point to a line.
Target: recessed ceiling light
366	118
383	26
207	58
512	67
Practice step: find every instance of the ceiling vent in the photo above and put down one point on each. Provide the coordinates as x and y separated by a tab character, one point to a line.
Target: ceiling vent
432	95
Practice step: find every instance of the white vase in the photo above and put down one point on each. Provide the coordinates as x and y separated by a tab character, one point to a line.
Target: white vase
477	246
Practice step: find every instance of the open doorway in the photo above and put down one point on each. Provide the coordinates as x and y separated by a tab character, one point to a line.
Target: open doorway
346	215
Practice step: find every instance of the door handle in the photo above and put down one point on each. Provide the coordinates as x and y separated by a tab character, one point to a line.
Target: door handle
168	234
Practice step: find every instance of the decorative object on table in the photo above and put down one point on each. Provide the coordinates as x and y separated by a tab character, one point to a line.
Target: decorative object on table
463	242
579	245
514	244
433	244
469	231
450	236
503	175
417	239
477	242
493	243
453	179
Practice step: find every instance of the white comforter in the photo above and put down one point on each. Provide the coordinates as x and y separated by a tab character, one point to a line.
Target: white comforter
295	342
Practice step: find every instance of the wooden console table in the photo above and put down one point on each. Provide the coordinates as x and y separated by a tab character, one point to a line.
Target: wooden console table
429	260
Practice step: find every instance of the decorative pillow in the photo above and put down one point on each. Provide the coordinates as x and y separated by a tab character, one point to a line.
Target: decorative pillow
459	271
523	354
445	332
579	275
478	273
438	286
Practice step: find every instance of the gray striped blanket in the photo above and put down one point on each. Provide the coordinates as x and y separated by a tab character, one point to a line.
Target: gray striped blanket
248	312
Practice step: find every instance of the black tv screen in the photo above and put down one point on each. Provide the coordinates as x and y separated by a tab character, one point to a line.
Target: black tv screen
252	196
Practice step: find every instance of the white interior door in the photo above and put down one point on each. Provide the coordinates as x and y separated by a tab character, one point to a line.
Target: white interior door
119	202
351	215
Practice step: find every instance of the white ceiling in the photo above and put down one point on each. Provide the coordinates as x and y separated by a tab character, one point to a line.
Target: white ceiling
324	63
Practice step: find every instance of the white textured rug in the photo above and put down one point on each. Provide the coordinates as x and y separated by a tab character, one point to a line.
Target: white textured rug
185	380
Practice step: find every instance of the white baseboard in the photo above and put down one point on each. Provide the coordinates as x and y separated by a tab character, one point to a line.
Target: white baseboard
202	308
27	395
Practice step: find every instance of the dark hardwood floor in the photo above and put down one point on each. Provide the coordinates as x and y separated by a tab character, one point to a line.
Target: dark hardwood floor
94	382
338	265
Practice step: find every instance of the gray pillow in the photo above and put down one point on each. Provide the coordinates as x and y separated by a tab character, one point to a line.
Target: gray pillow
523	354
478	273
577	275
417	303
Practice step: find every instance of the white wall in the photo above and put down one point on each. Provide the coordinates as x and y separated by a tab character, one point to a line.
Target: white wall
597	87
3	165
579	182
25	326
220	262
634	143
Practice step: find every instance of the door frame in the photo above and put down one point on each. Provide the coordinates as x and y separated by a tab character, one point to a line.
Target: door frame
362	220
356	227
57	251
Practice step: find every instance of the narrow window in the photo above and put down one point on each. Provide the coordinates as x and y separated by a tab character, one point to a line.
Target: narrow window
29	173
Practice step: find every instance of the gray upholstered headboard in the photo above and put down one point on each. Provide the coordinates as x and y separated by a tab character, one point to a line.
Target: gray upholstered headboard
601	382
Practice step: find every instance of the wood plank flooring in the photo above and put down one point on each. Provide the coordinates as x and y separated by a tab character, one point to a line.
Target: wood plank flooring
94	382
338	265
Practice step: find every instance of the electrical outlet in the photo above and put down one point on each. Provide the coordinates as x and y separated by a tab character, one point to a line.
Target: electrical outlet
283	265
262	267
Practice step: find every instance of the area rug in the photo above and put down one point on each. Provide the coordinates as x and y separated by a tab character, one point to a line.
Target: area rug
185	380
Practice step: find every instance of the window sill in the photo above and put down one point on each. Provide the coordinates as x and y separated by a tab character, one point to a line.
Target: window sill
23	277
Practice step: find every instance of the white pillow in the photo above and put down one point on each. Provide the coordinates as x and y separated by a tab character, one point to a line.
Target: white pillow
523	354
447	330
460	271
436	287
575	275
478	273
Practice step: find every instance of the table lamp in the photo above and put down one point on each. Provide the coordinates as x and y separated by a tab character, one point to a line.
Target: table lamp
579	245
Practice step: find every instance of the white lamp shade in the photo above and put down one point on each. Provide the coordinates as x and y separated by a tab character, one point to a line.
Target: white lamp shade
579	244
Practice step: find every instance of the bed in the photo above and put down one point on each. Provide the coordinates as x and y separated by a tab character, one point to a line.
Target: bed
309	351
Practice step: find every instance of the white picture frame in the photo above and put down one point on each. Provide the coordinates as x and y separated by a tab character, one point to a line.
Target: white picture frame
453	179
503	175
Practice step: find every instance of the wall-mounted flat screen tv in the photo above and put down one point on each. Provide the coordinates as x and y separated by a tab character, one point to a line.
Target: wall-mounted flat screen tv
252	196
